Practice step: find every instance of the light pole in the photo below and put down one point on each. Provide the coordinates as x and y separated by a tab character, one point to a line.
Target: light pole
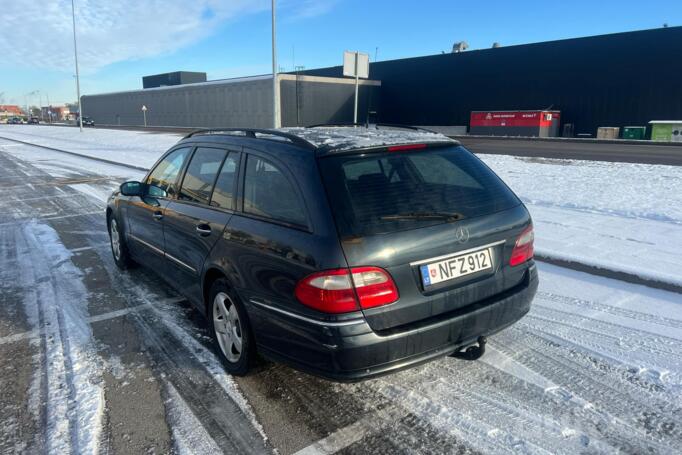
75	54
40	105
27	98
275	84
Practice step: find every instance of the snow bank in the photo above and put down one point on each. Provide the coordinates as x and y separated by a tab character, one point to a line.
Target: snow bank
618	216
129	147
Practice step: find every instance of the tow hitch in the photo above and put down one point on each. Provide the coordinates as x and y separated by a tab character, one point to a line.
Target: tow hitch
471	352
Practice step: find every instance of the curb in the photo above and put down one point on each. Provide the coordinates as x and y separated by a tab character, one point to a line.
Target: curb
559	140
613	274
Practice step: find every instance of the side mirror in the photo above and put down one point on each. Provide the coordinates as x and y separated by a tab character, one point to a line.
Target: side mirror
132	189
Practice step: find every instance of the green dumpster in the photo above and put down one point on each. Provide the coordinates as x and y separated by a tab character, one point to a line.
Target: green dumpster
666	130
634	132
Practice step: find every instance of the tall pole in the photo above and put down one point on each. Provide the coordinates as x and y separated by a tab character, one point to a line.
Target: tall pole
355	111
275	85
78	82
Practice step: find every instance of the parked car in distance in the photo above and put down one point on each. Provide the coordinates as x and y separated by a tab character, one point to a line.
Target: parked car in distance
15	121
88	121
33	121
346	252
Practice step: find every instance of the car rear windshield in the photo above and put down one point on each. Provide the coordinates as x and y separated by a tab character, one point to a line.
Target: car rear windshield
376	193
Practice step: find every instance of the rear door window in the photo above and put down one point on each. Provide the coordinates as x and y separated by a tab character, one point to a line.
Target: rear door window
201	174
383	192
268	193
223	193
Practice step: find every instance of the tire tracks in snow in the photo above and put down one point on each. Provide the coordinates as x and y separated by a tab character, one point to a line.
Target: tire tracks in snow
189	370
68	375
610	309
618	414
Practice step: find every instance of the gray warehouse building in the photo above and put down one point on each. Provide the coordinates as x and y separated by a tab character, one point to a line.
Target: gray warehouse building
240	102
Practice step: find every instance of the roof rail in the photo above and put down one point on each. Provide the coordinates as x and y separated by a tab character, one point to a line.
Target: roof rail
376	125
252	133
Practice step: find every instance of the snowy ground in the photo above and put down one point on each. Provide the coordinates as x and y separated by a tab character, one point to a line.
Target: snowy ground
618	216
129	147
118	363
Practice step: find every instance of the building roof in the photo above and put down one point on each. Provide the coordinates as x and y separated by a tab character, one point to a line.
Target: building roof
667	122
13	108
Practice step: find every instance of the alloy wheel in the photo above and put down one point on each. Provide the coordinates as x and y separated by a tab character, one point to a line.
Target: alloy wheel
227	327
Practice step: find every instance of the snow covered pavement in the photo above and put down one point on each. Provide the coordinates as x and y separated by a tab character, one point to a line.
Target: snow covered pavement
127	147
595	367
617	216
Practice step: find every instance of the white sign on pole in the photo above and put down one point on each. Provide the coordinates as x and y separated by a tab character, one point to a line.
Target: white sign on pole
356	64
349	64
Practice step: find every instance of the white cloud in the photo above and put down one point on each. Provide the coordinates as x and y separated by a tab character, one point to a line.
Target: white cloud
111	31
303	9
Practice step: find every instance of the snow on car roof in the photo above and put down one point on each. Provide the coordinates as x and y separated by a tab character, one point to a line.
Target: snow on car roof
343	138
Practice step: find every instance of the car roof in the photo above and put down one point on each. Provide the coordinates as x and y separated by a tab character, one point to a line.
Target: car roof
326	140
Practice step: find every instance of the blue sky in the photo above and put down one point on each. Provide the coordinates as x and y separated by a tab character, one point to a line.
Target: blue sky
122	40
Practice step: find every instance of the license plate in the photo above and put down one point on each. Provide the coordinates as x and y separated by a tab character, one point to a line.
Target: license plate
455	267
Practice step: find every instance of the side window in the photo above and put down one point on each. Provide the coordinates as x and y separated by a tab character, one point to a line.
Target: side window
268	193
223	193
161	180
201	173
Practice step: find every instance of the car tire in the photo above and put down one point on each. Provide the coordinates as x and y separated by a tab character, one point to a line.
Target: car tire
119	247
230	328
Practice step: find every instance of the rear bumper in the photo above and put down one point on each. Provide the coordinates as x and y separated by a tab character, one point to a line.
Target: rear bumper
352	351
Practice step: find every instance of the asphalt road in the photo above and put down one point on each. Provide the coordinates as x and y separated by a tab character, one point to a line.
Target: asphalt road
93	357
592	151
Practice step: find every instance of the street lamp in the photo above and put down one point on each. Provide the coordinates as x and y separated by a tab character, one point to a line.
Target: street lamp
75	55
28	100
275	84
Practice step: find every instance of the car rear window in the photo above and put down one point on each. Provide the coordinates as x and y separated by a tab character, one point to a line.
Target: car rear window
376	193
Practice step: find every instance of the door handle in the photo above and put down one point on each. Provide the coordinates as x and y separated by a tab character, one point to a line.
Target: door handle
203	229
158	215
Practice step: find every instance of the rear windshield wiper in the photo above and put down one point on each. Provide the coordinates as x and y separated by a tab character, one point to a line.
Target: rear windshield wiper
449	216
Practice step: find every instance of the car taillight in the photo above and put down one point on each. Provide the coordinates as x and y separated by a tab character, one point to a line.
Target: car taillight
523	248
344	290
374	287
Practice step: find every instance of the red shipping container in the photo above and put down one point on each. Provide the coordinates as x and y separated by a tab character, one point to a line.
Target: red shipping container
515	123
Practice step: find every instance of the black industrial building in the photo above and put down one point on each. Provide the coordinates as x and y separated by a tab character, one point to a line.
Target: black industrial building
609	80
174	78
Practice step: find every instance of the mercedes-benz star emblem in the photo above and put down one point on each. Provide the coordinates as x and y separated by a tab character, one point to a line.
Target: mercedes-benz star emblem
462	234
